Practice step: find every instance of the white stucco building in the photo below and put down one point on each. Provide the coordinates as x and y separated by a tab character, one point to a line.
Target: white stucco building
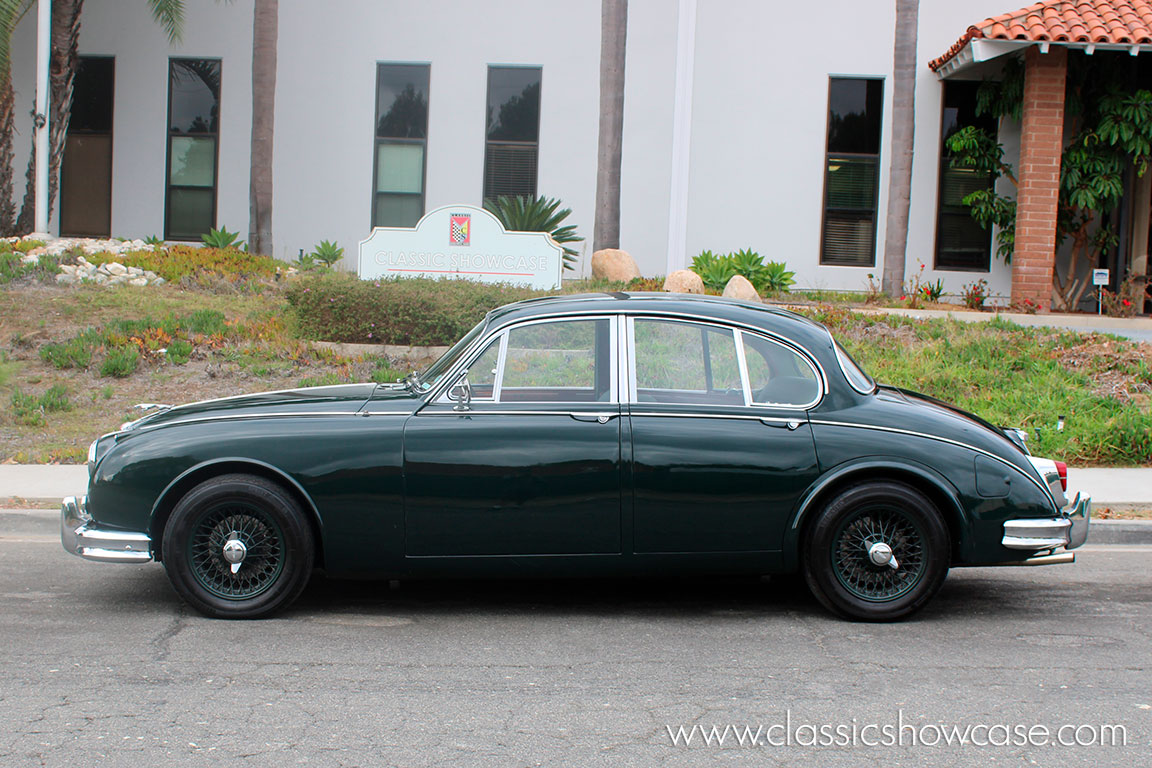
773	101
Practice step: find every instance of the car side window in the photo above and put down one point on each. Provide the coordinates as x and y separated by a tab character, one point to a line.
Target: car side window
678	362
778	375
561	361
482	372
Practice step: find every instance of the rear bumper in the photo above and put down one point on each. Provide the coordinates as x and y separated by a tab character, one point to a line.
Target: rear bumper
1069	530
80	536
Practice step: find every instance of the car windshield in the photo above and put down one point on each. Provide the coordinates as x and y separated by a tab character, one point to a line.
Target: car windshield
428	379
856	376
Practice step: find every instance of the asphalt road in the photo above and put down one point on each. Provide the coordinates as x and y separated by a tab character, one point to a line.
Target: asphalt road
102	665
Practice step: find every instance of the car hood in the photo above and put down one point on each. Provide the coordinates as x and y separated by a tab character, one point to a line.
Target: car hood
342	398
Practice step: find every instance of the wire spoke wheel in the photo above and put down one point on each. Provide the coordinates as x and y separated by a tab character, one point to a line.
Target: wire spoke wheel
236	550
878	553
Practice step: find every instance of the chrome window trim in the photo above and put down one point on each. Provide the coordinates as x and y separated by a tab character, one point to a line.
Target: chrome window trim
565	411
836	349
742	361
736	329
896	430
737	416
469	356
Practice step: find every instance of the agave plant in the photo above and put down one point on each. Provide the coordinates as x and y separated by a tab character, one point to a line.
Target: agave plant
777	278
540	214
715	271
222	238
749	264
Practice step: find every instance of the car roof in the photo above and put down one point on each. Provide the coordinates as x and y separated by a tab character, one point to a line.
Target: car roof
769	318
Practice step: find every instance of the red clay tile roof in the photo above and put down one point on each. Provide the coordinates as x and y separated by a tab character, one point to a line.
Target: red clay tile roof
1126	22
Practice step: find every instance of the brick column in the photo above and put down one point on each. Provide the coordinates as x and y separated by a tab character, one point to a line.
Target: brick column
1041	142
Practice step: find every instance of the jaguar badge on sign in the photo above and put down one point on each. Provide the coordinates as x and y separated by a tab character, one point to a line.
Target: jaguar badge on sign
465	242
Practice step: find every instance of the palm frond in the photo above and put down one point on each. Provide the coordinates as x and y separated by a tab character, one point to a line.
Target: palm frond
169	14
540	214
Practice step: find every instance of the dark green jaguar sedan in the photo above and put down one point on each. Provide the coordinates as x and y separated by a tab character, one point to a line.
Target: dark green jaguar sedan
581	435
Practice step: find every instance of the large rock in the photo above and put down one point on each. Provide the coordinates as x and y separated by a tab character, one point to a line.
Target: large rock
739	288
615	265
684	281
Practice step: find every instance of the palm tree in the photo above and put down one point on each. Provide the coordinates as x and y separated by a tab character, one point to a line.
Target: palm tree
613	34
264	36
11	11
903	135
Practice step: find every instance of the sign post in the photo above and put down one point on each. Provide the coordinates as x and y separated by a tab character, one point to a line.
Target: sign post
1100	279
462	241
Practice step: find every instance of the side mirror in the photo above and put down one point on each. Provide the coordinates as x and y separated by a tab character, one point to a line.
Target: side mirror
461	394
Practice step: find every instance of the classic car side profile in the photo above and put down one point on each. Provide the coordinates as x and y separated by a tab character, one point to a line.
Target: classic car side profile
581	435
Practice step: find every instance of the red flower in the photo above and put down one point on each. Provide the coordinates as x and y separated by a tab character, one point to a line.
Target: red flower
1127	303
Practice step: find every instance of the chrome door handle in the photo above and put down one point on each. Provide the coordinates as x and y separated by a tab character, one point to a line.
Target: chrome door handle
791	424
602	418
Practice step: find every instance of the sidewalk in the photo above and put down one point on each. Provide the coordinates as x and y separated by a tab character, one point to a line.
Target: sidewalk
1134	328
51	482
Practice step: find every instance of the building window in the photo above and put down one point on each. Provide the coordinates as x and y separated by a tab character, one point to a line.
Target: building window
961	243
513	131
401	144
193	139
852	171
86	171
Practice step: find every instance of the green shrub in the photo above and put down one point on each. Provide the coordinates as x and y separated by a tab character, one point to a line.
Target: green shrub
206	321
179	351
418	311
384	373
30	410
120	362
74	353
202	265
777	278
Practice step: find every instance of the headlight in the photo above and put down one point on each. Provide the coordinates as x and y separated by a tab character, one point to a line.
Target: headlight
92	453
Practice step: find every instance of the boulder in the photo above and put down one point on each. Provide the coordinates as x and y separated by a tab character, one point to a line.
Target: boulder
65	279
684	281
615	265
739	288
115	268
139	281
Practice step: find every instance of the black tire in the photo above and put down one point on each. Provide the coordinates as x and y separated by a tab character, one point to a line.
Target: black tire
276	547
843	571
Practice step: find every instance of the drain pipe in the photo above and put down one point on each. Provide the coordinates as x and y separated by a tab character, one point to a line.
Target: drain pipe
43	49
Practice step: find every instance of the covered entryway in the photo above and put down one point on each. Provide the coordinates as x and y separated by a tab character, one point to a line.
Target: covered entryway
1044	36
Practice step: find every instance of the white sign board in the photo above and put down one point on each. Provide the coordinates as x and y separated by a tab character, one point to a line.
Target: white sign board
1099	277
466	242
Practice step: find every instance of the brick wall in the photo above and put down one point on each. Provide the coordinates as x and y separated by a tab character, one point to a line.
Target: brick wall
1041	142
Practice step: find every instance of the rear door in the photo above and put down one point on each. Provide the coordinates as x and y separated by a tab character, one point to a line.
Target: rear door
721	445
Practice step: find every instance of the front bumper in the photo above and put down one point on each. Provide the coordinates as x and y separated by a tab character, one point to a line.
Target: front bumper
1069	530
80	536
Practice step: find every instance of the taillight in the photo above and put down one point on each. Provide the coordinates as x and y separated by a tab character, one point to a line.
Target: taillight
1062	470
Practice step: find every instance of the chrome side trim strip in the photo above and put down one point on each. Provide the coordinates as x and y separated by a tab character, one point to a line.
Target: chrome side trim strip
1054	559
773	419
477	412
938	438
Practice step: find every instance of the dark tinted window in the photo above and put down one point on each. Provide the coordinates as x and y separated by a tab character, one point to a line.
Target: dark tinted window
514	103
194	95
852	172
961	243
92	95
402	101
854	112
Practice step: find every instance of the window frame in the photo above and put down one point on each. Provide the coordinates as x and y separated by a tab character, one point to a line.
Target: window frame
512	143
630	391
169	135
943	165
378	140
827	160
501	336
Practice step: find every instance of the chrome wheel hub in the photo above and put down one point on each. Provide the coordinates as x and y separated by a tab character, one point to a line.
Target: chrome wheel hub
880	554
235	551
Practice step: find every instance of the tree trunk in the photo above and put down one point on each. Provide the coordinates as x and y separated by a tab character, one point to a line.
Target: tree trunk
7	128
613	35
62	66
264	37
903	135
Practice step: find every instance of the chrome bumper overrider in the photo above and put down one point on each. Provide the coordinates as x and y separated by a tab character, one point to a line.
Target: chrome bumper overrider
81	537
1069	531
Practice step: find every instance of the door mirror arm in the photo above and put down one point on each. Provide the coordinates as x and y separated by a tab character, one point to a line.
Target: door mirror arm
461	394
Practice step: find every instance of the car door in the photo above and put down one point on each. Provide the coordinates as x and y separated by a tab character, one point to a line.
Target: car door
721	445
530	465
